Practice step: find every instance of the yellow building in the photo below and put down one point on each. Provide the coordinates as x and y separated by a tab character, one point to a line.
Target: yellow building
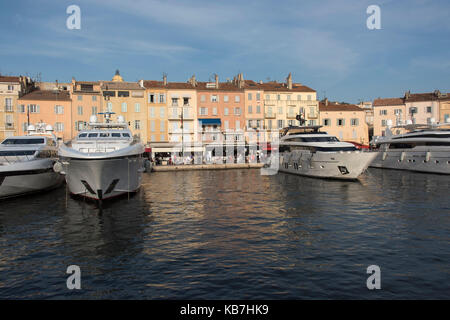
126	99
86	100
156	103
11	89
254	112
284	101
345	121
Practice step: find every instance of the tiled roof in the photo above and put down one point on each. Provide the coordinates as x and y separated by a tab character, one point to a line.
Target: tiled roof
9	79
338	107
417	97
282	87
114	85
149	84
388	102
47	95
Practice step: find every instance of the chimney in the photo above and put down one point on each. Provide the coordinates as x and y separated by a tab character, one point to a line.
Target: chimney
407	94
326	101
289	81
217	81
165	79
241	80
192	81
260	82
141	83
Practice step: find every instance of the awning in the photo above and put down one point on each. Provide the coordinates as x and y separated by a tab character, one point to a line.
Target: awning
210	121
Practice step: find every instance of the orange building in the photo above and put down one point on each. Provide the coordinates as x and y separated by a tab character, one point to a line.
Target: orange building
86	99
53	107
220	111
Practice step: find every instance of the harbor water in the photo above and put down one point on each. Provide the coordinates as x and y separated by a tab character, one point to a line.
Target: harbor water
234	234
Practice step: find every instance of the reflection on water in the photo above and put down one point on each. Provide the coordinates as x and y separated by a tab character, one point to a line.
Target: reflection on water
234	235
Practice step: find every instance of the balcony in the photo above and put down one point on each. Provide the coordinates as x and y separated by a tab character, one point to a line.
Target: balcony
313	115
9	108
270	115
9	126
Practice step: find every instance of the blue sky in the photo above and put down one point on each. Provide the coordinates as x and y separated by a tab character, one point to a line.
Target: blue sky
325	44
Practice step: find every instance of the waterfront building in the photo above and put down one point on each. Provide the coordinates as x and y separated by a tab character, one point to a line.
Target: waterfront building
221	110
284	101
345	121
254	112
156	104
52	107
387	110
86	100
126	99
422	107
444	107
11	89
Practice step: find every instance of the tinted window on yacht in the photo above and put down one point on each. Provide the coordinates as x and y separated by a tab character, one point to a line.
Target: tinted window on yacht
93	135
104	135
314	139
82	135
24	141
402	145
126	135
115	134
17	153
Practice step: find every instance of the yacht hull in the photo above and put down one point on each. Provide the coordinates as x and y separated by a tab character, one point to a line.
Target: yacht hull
103	178
436	161
327	165
28	182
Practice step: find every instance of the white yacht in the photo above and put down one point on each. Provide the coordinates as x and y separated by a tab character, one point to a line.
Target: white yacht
423	148
26	162
104	161
310	152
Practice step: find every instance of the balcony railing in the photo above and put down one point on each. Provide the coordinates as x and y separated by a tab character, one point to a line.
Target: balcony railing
290	115
270	115
9	108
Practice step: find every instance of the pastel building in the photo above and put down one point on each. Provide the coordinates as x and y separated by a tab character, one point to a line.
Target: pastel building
86	100
11	89
345	121
126	99
254	112
52	107
157	111
387	110
221	115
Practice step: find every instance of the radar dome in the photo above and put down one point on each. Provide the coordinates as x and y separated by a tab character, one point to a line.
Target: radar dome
408	121
48	128
31	128
389	123
93	118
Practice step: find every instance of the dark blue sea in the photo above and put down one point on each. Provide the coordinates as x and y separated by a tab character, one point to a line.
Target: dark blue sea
234	234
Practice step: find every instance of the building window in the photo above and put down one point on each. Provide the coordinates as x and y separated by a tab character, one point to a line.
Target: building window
258	109
278	97
237	111
123	94
340	122
383	123
412	110
354	121
124	107
214	112
383	112
80	98
162	126
326	122
174	102
8	105
238	125
214	98
203	98
312	122
151	98
225	124
137	107
33	108
280	110
226	99
289	97
137	124
269	124
299	97
225	111
94	110
10	87
162	137
109	107
152	125
249	96
280	124
309	97
162	112
152	137
59	127
21	108
185	101
162	98
237	98
94	98
398	112
250	109
204	111
59	109
258	96
267	97
80	110
429	109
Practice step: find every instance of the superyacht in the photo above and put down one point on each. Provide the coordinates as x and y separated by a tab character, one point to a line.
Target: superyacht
26	162
104	161
307	151
423	148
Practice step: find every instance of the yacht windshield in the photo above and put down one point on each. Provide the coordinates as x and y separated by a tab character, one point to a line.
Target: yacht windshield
17	153
314	139
24	141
